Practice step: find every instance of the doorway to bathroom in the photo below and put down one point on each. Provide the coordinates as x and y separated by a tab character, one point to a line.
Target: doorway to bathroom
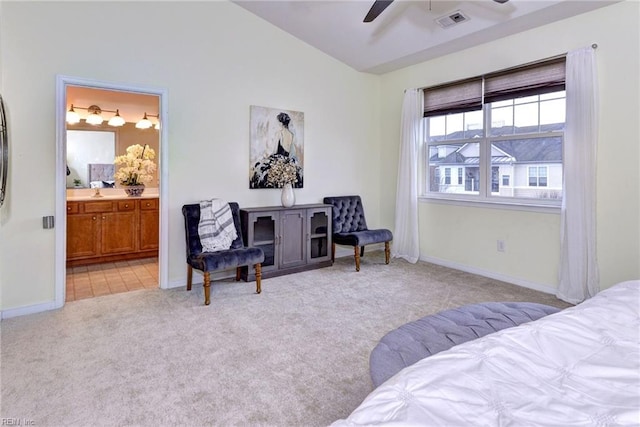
107	241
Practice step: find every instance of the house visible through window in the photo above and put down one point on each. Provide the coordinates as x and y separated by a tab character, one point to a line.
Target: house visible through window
510	124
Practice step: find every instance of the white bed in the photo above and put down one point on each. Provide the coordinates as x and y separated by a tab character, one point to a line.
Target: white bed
578	367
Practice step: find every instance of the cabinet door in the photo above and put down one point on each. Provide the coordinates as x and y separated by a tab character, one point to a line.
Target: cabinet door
318	234
82	235
263	231
292	245
118	232
149	224
149	230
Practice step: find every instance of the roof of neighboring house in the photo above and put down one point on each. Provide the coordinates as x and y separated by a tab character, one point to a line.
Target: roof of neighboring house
525	150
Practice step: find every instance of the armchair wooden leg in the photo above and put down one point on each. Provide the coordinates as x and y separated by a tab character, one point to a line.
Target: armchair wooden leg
237	274
189	276
361	250
333	252
207	288
356	251
387	252
258	268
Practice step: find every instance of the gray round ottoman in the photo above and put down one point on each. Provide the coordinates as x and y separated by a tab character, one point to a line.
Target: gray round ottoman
438	332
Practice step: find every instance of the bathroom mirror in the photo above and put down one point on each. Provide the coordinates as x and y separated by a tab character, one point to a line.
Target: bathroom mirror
90	155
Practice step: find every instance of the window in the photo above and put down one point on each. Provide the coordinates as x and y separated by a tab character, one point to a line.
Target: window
502	132
537	176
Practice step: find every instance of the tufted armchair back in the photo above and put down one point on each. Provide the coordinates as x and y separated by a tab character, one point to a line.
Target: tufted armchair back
192	219
348	214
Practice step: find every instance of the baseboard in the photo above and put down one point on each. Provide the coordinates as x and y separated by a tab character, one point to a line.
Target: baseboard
29	309
491	274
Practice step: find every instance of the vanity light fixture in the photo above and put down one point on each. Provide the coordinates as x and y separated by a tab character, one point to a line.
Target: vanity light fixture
72	116
116	120
94	117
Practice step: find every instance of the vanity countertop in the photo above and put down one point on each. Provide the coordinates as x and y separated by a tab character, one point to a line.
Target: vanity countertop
110	197
107	194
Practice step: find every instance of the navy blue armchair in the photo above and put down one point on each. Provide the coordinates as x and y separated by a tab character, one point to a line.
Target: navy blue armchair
238	255
350	228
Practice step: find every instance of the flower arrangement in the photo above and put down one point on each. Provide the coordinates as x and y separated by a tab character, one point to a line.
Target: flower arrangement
137	166
282	170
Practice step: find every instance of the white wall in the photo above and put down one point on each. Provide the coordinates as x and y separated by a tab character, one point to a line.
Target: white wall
215	59
466	237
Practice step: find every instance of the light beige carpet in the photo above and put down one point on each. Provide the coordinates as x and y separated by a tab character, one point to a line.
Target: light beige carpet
296	355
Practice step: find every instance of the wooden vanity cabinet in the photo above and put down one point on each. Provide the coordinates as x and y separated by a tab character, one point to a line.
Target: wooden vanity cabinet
111	230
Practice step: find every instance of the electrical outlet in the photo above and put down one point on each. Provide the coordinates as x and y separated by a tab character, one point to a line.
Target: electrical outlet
501	246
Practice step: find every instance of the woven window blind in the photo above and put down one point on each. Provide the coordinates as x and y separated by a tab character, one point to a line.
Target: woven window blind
467	95
457	97
529	80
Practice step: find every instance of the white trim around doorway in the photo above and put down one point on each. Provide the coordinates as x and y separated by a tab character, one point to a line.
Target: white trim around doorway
60	199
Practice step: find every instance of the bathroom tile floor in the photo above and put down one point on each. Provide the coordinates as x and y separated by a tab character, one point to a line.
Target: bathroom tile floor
102	279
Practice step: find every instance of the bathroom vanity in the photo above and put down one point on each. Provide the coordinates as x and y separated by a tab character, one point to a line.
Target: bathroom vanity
111	228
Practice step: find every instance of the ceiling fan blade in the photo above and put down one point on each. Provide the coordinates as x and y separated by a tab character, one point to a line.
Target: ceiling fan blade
376	9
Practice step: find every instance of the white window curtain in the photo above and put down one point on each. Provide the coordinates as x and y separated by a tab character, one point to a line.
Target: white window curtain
406	239
578	274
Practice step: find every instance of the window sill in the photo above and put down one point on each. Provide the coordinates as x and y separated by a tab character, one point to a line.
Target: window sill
514	205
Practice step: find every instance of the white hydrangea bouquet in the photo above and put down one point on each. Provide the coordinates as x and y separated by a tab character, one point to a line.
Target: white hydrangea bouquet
137	166
283	170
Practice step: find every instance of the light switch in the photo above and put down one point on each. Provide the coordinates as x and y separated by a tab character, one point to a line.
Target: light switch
47	222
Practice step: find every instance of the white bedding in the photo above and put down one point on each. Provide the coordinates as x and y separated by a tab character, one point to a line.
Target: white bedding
578	367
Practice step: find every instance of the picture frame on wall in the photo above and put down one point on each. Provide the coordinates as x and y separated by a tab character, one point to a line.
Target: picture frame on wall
276	148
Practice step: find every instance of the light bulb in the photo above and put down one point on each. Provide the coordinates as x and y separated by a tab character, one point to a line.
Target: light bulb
94	117
145	123
72	116
116	120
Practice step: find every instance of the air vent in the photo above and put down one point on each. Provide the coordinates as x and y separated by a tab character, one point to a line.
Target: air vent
452	19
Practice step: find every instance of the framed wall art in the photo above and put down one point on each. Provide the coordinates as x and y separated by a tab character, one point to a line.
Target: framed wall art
277	148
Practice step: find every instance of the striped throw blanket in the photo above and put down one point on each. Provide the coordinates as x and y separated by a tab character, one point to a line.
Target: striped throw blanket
216	228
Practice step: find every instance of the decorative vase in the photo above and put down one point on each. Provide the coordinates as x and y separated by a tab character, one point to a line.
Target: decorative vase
134	190
288	198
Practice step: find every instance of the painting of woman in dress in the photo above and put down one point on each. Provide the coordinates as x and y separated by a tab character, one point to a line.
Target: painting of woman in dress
276	139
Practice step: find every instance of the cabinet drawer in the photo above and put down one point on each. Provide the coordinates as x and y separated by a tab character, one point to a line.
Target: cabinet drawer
149	204
126	205
104	206
73	207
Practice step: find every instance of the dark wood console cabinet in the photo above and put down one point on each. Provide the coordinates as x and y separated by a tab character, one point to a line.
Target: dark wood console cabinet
293	239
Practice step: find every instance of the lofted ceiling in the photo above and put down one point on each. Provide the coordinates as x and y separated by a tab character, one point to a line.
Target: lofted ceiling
407	32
